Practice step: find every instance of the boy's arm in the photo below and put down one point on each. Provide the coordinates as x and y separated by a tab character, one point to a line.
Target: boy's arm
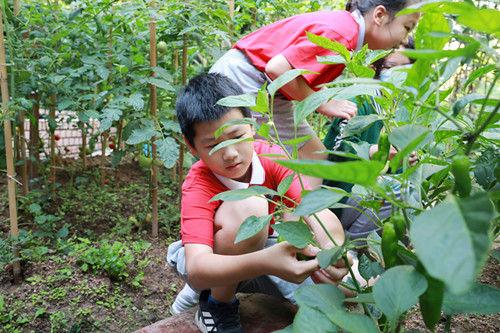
207	270
298	90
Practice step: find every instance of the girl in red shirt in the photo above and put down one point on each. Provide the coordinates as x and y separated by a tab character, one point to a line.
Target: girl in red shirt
277	48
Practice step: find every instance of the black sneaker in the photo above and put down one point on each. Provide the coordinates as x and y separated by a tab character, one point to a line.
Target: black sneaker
220	318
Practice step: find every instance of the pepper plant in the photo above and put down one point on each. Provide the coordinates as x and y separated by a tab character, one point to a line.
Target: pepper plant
443	224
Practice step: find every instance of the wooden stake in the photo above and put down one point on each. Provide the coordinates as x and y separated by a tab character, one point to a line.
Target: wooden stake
231	16
84	147
181	144
153	106
9	152
17	7
22	157
35	137
52	119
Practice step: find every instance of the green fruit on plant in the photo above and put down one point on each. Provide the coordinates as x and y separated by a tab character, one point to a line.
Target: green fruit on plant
399	226
145	162
431	300
162	47
460	167
389	245
148	218
384	147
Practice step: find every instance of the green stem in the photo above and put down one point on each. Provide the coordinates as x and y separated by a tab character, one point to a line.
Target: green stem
447	327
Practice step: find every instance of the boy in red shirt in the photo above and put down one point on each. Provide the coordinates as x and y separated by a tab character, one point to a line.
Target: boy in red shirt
208	259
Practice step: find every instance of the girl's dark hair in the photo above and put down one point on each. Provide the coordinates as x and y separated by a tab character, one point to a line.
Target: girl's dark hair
364	6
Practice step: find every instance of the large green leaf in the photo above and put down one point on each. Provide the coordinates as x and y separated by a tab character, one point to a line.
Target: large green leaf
478	73
398	290
232	122
329	44
168	151
402	136
328	299
285	184
457	230
431	22
245	100
318	200
464	100
311	320
141	135
329	256
485	20
251	226
480	299
466	51
226	143
240	194
359	124
368	269
294	232
360	172
285	78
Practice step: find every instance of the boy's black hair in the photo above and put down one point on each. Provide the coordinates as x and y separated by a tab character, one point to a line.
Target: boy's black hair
364	6
197	102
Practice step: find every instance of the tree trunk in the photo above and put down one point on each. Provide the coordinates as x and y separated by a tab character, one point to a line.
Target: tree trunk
14	231
175	61
153	107
52	120
104	144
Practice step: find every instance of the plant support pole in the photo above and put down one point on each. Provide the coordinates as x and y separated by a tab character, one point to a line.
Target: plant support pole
9	153
153	107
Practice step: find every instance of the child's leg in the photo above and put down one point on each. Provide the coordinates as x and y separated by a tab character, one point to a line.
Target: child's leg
228	219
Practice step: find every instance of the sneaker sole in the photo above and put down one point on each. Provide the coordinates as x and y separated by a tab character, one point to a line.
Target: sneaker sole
199	322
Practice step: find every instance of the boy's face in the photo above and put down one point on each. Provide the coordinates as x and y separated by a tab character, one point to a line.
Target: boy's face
233	161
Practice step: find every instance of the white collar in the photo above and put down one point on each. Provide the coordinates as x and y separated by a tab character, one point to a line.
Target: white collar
362	28
258	176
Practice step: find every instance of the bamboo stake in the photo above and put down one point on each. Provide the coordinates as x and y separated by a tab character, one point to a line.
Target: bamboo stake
181	144
231	17
22	148
17	7
84	147
175	61
52	120
153	107
14	231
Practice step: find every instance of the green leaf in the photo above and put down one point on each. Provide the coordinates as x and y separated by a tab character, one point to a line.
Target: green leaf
232	122
360	70
331	59
252	226
226	143
141	135
398	290
311	320
262	101
484	169
485	20
427	25
245	100
329	44
318	200
103	72
359	124
457	229
415	144
108	116
480	299
374	55
116	157
285	184
328	299
285	78
464	100
170	125
160	83
466	51
329	256
368	269
478	73
294	232
136	101
360	172
362	298
168	151
240	194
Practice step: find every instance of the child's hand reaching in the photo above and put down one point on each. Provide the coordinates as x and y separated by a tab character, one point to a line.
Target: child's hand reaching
338	109
285	264
333	274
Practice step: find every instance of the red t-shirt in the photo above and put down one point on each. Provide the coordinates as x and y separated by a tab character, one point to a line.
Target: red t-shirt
288	37
197	213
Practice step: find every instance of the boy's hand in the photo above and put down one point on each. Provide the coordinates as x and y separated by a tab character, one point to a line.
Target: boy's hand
286	265
332	274
338	109
374	149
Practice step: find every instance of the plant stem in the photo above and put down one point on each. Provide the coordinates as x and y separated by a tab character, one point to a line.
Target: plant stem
447	327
